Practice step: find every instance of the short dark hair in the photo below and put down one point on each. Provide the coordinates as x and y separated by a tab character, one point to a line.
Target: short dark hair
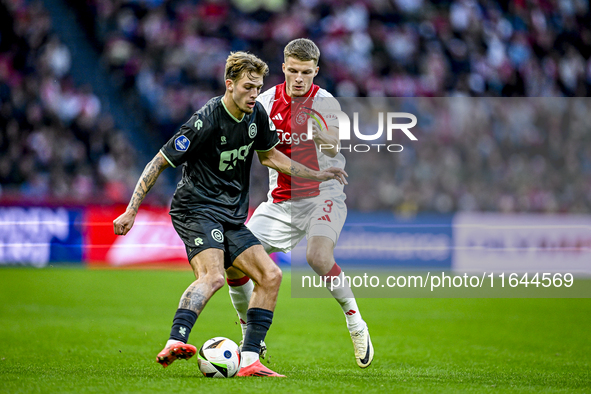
240	62
302	49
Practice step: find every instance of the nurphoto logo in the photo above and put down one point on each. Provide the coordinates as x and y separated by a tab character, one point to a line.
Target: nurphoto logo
345	130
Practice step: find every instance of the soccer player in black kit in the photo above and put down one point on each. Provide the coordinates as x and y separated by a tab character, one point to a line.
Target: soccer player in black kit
210	205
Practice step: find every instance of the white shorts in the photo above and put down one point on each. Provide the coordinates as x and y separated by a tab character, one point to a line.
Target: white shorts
281	226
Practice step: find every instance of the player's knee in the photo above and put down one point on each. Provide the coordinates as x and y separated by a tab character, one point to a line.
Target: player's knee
215	280
318	257
272	277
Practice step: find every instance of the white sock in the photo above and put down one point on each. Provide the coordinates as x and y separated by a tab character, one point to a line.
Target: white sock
344	296
240	296
249	358
171	341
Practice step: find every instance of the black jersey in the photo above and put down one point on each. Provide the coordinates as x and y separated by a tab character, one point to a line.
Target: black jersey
217	149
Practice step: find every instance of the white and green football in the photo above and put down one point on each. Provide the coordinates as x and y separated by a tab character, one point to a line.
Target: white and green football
219	357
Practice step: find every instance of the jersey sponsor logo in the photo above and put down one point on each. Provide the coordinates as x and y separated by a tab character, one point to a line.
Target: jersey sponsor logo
325	218
252	130
229	159
198	124
181	143
277	117
217	235
293	138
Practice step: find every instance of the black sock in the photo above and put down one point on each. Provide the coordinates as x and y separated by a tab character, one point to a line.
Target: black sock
258	323
183	322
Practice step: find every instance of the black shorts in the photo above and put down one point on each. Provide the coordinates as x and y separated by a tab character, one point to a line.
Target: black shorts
202	231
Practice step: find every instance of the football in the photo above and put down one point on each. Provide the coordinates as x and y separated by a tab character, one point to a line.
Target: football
219	357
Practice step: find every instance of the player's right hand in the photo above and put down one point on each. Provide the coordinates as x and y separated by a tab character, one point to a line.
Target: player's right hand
124	222
333	173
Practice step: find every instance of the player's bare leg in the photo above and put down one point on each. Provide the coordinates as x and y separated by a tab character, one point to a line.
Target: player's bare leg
320	256
257	265
208	267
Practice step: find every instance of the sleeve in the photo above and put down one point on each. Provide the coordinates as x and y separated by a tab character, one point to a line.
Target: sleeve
328	103
267	136
187	140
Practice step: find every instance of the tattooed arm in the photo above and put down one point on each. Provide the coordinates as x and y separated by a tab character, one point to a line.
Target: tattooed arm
280	162
153	169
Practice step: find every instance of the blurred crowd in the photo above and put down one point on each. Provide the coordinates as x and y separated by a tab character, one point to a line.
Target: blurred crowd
476	154
171	54
55	141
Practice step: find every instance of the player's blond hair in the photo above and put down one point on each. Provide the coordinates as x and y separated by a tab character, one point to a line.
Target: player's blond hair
240	62
302	49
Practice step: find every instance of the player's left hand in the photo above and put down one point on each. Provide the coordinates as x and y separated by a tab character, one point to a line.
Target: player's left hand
333	173
326	140
317	134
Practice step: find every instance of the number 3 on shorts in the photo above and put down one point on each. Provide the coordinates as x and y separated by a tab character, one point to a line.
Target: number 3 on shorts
328	208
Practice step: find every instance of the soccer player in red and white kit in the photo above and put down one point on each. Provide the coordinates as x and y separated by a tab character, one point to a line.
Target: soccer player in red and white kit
298	208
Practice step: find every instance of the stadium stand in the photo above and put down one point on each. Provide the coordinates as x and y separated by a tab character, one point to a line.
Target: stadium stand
57	144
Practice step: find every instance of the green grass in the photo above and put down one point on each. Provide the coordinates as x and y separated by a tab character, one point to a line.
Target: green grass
75	330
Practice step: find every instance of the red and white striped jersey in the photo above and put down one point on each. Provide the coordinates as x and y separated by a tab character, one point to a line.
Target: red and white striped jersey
295	144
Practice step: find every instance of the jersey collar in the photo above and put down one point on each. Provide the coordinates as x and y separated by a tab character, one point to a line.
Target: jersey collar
287	99
229	113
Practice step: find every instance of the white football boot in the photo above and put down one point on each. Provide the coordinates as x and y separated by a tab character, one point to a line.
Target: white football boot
363	347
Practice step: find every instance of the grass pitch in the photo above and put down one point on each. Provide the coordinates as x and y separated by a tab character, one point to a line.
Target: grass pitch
76	330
